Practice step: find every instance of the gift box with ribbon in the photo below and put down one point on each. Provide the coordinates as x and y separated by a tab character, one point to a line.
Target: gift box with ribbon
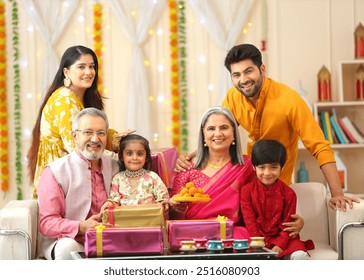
115	241
141	215
178	230
163	163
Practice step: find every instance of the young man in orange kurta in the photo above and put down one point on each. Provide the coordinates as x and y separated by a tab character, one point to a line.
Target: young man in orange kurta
270	110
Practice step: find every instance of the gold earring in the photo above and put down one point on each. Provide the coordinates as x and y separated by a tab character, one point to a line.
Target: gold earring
67	82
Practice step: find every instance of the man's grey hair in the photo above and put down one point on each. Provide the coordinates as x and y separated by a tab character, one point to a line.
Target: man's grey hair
91	111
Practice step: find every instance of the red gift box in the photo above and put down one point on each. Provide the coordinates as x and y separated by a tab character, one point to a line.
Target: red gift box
112	241
163	163
178	230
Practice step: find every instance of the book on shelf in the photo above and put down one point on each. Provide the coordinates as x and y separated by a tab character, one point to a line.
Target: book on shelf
326	126
336	140
353	130
346	131
329	127
323	125
337	128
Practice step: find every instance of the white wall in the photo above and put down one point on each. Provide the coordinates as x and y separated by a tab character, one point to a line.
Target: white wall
303	35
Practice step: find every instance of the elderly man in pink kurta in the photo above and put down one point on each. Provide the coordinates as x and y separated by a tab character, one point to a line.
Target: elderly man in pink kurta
72	189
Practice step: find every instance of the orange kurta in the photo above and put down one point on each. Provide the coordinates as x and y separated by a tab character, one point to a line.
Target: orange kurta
280	114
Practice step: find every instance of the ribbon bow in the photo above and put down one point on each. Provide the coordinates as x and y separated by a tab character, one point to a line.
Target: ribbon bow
222	220
99	229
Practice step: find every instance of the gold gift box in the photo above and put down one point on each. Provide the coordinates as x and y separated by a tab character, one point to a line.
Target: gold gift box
142	215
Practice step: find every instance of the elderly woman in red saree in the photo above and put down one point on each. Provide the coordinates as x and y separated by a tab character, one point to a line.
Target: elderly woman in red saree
219	169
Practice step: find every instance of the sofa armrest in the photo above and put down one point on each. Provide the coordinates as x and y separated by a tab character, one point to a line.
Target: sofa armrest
19	230
352	236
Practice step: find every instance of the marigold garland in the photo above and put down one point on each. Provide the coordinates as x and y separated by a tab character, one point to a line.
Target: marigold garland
4	157
17	104
174	53
182	41
97	36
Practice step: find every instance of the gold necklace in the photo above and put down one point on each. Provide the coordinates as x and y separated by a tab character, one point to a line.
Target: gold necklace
214	166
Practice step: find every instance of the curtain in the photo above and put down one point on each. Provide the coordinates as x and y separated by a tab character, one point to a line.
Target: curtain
224	21
50	17
136	18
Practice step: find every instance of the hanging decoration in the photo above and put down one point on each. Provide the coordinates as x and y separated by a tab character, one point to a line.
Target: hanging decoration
359	41
178	55
324	84
182	41
359	82
4	156
97	36
264	17
174	54
17	104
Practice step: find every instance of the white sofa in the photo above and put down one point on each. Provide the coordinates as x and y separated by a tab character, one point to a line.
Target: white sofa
19	235
19	230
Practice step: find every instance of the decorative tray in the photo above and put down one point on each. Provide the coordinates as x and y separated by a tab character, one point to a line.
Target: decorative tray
200	199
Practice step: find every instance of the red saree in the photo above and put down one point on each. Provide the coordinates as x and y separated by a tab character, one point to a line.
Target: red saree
224	189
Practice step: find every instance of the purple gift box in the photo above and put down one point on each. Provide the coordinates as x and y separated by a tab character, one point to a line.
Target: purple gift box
178	230
112	241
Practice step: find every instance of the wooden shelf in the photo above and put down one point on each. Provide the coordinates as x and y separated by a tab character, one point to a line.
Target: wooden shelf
351	154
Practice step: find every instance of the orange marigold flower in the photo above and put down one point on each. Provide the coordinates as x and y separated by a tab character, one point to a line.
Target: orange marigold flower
174	80
4	186
172	4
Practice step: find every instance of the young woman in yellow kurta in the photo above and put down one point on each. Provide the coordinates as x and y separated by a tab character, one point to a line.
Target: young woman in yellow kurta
73	89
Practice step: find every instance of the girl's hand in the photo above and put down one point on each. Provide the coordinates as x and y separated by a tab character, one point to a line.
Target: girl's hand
178	206
107	204
165	205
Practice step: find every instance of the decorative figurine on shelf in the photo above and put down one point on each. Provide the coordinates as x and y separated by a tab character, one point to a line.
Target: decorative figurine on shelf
302	175
359	82
359	41
324	84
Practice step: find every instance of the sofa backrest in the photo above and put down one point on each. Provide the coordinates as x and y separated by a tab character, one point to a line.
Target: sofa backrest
312	207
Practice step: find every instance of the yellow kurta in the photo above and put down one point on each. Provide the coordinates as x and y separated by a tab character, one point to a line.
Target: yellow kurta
280	114
55	128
